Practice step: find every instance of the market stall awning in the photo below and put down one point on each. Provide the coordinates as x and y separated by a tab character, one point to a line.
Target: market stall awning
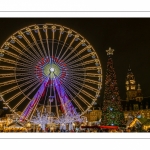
109	127
101	127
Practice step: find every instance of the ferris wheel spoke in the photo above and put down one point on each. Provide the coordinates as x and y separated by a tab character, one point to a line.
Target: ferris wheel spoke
13	97
81	90
85	69
71	84
86	80
76	78
29	87
25	48
19	93
63	44
84	85
93	75
21	52
84	63
83	99
82	58
7	68
40	37
35	42
14	47
73	73
7	75
91	88
18	57
46	34
24	74
26	61
23	64
61	58
19	103
8	61
24	79
92	81
79	96
30	44
11	54
76	54
28	82
25	68
9	90
7	82
53	35
27	96
60	33
88	95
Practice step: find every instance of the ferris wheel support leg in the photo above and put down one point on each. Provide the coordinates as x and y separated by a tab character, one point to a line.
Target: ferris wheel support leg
67	106
27	111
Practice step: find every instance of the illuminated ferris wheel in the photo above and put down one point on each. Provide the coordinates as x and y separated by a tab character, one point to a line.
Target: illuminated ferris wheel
49	64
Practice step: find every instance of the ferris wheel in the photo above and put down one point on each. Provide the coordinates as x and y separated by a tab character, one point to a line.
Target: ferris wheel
49	64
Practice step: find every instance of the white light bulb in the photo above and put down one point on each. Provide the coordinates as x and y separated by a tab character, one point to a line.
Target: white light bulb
52	69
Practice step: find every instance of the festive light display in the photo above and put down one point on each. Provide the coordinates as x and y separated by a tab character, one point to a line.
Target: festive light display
69	118
112	112
43	119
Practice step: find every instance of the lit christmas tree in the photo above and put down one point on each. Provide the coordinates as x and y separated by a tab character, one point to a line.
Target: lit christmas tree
112	112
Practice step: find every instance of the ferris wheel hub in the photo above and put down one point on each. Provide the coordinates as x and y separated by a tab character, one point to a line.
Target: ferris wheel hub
52	69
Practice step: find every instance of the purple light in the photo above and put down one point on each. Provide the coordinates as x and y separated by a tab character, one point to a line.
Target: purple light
34	101
67	106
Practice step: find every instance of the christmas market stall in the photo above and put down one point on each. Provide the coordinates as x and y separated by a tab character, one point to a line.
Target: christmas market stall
15	127
146	125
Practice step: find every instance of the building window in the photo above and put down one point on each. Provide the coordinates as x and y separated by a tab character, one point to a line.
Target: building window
132	87
135	107
132	81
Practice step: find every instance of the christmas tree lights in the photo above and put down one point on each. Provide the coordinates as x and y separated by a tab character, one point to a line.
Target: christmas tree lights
112	112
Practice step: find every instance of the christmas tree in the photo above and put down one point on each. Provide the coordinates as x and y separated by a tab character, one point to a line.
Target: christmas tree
112	112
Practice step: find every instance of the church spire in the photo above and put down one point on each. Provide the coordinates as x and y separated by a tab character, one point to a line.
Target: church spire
129	69
130	75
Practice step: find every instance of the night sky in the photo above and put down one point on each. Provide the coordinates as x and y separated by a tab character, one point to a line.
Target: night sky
129	37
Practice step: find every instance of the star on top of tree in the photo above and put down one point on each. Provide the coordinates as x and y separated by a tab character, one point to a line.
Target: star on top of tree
110	51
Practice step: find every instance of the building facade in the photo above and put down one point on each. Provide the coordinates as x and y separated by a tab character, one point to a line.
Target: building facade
134	104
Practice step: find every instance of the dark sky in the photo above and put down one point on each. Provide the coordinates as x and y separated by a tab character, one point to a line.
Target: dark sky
129	37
